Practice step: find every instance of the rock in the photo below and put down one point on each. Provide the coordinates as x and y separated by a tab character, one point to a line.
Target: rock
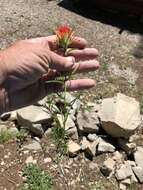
47	160
73	148
70	127
91	148
84	143
36	129
13	130
48	132
104	147
33	146
32	117
117	157
5	116
126	182
129	148
93	166
3	128
76	103
88	121
138	156
131	163
108	167
138	171
92	137
120	115
122	186
124	172
30	160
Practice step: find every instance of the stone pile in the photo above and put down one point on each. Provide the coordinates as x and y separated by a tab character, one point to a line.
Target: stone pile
107	127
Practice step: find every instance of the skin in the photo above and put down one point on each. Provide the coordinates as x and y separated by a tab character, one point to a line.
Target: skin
28	64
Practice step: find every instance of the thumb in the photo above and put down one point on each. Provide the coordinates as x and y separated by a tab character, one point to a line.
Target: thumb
61	63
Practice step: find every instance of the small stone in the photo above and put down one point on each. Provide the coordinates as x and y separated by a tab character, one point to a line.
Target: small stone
138	156
88	121
118	157
132	163
124	172
91	147
126	182
122	186
93	166
30	160
92	137
47	160
73	148
104	147
48	132
108	167
129	148
2	163
33	146
138	171
84	143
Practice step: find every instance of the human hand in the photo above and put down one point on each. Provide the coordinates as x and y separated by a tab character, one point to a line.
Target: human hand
26	65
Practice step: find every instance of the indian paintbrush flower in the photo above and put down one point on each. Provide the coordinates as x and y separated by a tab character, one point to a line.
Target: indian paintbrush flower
64	36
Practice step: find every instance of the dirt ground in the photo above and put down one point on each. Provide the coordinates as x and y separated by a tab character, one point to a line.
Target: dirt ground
119	41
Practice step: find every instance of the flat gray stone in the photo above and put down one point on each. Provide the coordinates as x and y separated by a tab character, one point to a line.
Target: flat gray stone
104	147
108	167
138	171
138	156
33	146
33	114
124	172
88	121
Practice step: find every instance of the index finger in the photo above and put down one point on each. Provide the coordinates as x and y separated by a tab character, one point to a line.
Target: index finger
52	42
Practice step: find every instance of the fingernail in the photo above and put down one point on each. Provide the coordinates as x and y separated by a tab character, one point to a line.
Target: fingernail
71	59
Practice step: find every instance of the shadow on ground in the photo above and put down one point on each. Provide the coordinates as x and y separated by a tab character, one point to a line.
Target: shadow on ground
118	19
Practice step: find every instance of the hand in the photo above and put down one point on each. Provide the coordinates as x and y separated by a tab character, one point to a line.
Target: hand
26	64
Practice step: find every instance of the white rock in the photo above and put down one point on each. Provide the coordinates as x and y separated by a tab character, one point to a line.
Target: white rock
122	186
126	182
104	147
129	148
91	147
124	172
120	115
47	160
33	146
30	160
92	137
108	167
84	143
138	171
138	156
73	148
118	157
93	166
88	121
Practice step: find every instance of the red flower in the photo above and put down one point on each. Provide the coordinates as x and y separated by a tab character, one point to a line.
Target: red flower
65	36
